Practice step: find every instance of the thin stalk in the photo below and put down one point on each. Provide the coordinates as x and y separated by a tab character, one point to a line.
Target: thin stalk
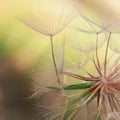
94	92
100	100
80	77
98	70
53	59
106	53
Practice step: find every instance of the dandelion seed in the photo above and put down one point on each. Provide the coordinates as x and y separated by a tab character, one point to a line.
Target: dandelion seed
106	21
85	31
47	75
50	19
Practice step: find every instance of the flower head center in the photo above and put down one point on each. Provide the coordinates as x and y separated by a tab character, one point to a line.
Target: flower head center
104	80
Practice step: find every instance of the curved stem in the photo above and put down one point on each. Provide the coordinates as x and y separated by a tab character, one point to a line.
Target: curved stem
53	58
106	53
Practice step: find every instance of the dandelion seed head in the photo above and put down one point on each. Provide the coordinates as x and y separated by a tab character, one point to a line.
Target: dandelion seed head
105	83
50	18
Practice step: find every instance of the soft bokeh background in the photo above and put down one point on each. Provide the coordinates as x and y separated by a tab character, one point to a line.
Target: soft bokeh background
22	52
